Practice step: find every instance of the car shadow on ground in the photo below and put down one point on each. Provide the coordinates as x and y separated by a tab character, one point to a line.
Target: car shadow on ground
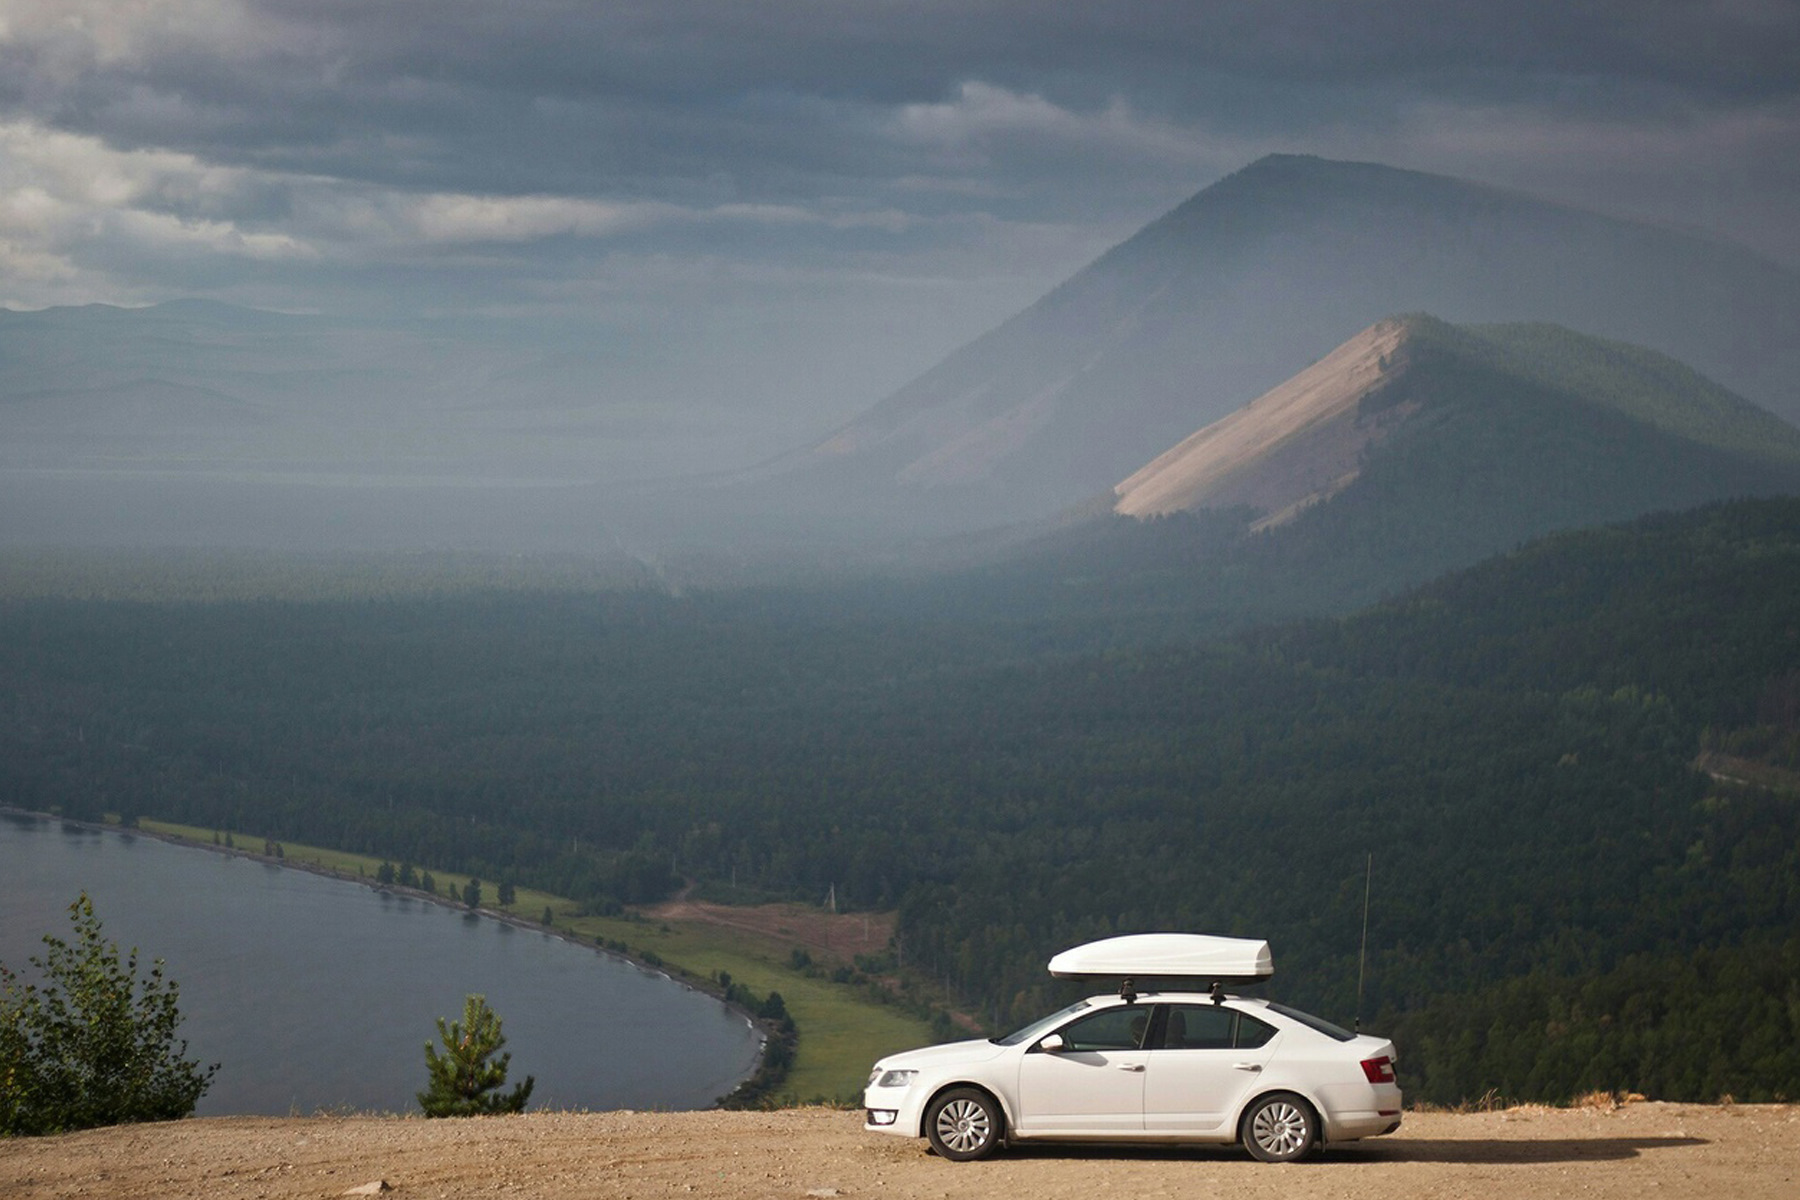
1507	1150
1517	1152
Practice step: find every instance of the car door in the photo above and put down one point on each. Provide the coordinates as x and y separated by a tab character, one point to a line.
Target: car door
1093	1084
1204	1061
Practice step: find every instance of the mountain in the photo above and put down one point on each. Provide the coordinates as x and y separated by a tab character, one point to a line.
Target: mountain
195	386
1247	282
1414	448
198	423
1425	383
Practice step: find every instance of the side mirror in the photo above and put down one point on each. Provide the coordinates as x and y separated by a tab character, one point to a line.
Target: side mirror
1051	1044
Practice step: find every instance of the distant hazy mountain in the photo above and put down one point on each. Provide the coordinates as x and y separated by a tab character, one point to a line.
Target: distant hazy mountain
194	423
1246	283
194	386
187	383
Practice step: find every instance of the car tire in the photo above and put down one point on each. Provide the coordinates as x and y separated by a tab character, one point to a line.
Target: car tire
1279	1128
964	1124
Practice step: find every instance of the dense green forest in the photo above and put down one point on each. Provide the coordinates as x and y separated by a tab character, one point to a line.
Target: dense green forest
1562	900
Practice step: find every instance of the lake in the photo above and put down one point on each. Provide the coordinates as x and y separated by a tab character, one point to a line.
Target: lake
316	993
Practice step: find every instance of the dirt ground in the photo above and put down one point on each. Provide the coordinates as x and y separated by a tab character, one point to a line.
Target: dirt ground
1640	1151
831	938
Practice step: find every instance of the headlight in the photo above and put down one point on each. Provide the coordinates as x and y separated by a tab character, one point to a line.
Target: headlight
894	1079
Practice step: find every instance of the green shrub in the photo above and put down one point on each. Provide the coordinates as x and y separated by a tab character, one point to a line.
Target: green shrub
92	1044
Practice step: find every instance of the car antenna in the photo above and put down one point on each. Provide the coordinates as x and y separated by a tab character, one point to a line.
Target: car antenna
1362	959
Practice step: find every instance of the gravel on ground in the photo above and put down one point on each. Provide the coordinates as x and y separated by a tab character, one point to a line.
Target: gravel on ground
1634	1152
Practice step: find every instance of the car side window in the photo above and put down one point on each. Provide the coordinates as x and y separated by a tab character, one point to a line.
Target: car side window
1197	1027
1252	1033
1212	1027
1109	1029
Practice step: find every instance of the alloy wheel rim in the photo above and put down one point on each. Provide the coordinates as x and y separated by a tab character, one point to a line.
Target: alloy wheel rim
1280	1128
963	1125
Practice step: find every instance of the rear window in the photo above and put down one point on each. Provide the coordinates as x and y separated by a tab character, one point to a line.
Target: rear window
1311	1022
1252	1033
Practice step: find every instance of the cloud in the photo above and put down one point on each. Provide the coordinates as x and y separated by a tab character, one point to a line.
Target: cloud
463	218
722	166
72	208
454	217
986	119
108	32
646	97
78	216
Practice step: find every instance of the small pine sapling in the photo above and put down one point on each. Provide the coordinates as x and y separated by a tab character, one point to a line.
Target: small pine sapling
466	1079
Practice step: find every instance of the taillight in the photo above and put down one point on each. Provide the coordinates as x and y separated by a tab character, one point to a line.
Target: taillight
1379	1070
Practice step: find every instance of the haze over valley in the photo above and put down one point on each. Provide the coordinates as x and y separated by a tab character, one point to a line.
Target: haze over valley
1174	329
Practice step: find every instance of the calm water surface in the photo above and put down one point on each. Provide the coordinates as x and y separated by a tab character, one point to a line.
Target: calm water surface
316	993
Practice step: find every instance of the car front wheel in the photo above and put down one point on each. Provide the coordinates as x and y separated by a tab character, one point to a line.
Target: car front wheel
1280	1128
963	1124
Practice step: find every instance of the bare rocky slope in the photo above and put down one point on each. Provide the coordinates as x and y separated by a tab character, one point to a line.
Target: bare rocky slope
1298	443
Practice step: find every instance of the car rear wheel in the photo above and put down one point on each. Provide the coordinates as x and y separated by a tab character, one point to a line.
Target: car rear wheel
963	1124
1279	1128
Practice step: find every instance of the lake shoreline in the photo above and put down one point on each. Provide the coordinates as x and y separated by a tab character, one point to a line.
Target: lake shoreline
706	987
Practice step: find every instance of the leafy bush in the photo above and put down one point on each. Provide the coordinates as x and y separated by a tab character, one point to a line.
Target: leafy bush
92	1044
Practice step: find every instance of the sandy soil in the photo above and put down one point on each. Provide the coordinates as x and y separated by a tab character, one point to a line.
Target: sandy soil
1642	1150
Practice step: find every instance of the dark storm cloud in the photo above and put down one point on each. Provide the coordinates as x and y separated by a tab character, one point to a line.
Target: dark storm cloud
853	182
646	95
894	51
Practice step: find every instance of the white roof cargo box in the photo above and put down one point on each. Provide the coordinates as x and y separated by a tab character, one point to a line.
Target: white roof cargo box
1141	956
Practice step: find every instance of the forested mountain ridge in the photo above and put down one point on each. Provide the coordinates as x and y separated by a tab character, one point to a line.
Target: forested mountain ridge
1241	286
1562	900
1515	745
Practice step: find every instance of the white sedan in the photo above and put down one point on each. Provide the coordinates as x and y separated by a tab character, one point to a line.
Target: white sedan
1163	1067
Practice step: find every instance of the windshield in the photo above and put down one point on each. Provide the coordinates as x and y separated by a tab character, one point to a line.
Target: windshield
1040	1026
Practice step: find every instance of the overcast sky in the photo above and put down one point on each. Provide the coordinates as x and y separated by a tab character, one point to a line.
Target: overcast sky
785	208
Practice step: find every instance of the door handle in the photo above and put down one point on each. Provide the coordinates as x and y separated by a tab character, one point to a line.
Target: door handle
1131	1066
1248	1066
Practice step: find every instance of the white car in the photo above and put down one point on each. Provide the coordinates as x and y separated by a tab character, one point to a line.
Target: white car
1176	1066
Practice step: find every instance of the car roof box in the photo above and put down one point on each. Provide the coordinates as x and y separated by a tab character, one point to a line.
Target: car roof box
1141	956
